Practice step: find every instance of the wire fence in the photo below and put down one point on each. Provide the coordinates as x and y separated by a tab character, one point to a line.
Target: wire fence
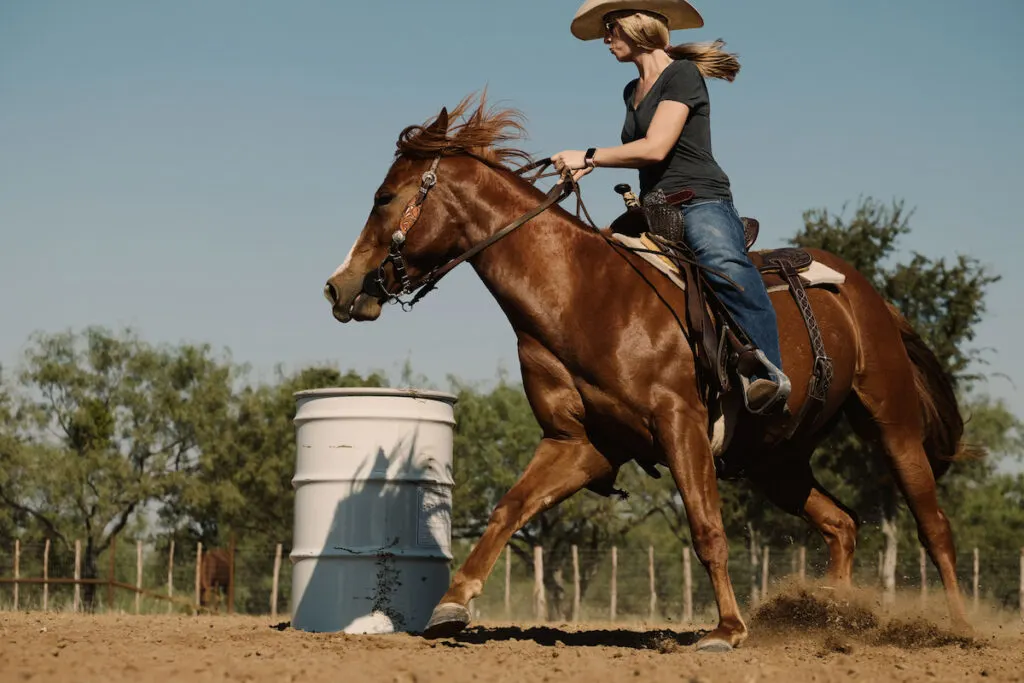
131	576
615	584
670	585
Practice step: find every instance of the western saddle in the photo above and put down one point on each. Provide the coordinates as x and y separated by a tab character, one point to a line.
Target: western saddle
718	343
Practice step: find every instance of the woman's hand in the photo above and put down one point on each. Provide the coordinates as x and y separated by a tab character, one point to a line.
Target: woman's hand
576	175
570	159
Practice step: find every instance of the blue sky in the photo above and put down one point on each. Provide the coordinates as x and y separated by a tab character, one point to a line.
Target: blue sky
197	169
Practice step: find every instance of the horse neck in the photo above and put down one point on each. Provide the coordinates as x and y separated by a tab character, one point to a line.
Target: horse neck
534	272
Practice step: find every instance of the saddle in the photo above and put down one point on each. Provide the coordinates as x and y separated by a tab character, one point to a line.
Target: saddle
719	344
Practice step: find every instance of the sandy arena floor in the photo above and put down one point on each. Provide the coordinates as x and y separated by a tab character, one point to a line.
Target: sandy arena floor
811	645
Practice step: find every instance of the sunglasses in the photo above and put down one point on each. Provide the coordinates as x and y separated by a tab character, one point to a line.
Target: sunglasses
610	26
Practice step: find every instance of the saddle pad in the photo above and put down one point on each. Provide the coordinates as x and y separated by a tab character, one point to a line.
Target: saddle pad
658	260
816	274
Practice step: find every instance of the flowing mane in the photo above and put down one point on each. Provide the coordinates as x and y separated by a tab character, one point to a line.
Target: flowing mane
479	134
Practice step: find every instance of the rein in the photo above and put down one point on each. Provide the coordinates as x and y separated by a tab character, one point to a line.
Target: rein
374	282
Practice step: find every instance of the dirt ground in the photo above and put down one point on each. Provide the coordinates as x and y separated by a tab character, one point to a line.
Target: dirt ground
794	638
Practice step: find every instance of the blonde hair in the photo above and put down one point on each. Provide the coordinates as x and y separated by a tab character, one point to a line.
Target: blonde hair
649	31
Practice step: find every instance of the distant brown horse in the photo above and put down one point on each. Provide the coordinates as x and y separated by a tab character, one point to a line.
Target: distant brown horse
611	377
214	576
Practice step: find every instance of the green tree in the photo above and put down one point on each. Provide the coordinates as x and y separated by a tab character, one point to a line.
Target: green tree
113	425
10	517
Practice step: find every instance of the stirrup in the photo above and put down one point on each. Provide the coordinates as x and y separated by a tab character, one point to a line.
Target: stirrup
781	394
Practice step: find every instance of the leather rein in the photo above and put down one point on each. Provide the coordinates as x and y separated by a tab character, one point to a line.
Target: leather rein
374	284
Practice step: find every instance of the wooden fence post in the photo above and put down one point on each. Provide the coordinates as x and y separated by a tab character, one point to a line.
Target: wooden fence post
170	577
277	578
539	599
614	589
473	615
231	575
113	572
755	558
1022	584
650	576
889	561
977	577
46	575
803	563
924	575
508	582
687	585
199	569
764	574
138	576
17	570
78	572
575	584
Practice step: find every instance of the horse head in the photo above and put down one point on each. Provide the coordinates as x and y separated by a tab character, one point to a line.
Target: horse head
407	238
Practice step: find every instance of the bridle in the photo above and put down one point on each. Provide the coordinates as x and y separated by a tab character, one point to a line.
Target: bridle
374	283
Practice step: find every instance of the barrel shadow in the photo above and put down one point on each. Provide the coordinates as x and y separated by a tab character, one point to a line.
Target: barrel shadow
371	520
656	639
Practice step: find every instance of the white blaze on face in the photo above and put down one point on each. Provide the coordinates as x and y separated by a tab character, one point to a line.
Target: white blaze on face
348	259
346	263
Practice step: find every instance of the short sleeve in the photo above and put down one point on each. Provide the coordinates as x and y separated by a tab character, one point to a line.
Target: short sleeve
627	92
685	84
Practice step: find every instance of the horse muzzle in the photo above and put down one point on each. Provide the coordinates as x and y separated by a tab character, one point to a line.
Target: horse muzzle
362	305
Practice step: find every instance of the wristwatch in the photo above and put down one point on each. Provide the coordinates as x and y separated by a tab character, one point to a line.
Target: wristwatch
588	160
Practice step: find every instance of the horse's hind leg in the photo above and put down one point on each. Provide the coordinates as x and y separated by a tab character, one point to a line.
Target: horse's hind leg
558	470
792	487
839	528
883	416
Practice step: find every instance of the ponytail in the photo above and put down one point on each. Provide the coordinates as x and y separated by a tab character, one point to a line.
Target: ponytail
711	60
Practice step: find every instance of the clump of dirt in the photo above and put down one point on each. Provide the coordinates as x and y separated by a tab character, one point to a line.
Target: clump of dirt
802	610
918	633
835	644
667	646
845	615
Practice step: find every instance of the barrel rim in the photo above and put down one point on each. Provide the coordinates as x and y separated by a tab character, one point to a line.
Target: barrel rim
332	392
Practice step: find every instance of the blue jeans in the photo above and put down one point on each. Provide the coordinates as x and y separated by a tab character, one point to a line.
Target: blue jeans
714	231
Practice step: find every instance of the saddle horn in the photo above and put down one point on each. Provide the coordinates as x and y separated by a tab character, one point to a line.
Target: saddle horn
627	196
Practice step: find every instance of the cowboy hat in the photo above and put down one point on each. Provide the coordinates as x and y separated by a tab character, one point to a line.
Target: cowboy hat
588	24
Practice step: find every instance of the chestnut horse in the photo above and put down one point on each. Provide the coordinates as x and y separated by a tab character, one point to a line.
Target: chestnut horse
609	371
215	576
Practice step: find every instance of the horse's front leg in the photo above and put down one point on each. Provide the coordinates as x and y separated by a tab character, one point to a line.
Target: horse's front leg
557	471
690	460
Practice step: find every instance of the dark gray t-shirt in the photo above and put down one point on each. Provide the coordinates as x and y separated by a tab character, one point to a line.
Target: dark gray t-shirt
689	164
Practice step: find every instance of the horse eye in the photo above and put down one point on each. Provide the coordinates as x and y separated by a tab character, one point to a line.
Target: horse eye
383	199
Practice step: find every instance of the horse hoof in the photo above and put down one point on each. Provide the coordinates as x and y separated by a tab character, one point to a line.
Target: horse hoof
714	645
447	619
963	628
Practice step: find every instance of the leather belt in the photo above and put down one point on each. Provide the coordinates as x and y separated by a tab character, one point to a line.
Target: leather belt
680	197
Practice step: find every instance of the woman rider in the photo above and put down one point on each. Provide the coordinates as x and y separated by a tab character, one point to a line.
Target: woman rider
667	136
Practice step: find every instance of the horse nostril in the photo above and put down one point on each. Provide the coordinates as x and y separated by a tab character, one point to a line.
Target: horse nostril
331	293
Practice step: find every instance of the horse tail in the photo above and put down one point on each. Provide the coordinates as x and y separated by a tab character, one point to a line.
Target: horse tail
940	410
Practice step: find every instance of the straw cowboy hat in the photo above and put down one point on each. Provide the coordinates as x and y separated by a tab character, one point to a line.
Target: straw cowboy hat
588	24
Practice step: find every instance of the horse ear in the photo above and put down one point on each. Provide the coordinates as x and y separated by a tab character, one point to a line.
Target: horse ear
440	124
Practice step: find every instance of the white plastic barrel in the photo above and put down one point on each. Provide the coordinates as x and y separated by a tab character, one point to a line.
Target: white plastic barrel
372	536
